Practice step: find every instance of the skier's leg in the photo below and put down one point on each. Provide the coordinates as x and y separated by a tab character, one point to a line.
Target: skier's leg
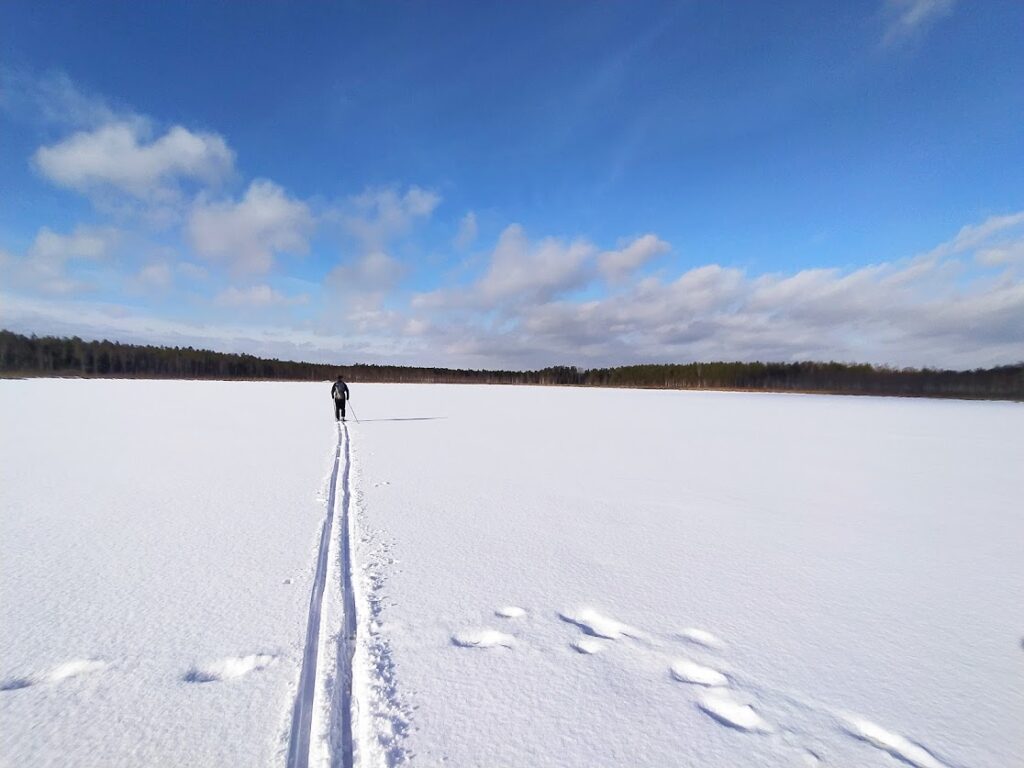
336	404
342	403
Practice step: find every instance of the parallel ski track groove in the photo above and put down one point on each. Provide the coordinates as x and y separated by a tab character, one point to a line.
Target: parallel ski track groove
347	641
299	740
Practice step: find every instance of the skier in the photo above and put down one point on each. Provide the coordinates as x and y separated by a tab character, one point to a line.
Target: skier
340	394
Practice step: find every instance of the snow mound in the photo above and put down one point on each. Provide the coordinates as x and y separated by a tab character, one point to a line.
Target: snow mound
588	645
510	612
686	671
594	623
721	706
229	668
898	746
74	668
701	637
482	638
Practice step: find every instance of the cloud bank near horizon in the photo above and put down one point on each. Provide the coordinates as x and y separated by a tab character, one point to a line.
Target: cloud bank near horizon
180	249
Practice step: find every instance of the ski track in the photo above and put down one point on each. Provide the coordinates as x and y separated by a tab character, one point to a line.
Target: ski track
335	528
343	701
347	693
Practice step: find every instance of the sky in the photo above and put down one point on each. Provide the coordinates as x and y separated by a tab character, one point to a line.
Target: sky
516	185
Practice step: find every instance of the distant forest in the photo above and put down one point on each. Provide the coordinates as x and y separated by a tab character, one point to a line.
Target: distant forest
51	356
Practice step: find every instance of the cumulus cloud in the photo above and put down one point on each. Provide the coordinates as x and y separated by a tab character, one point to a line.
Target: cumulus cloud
522	272
378	216
256	296
122	155
83	243
246	235
561	301
374	272
157	275
620	264
960	304
907	18
47	265
377	220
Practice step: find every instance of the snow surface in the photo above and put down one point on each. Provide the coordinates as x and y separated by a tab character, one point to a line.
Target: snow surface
838	560
158	548
508	571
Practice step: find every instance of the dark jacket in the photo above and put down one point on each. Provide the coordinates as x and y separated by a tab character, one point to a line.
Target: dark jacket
340	391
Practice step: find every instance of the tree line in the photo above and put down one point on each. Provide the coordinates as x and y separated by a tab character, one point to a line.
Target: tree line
57	356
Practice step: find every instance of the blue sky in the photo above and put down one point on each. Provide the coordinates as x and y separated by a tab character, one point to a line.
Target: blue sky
519	184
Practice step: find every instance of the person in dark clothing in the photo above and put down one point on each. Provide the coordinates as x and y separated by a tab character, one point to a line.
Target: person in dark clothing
339	392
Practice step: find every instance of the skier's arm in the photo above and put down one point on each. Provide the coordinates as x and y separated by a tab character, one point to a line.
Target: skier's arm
347	395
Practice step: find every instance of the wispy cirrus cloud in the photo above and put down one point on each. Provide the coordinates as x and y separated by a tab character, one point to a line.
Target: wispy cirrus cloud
906	19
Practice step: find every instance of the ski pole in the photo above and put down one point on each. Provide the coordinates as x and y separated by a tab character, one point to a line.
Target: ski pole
353	413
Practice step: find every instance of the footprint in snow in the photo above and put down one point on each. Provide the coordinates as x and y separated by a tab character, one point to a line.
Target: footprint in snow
16	683
74	668
701	637
482	638
228	668
597	625
720	705
65	671
898	746
686	671
587	645
510	612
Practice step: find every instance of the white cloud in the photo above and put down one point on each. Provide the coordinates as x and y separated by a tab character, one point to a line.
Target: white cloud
935	309
467	233
1009	253
974	235
46	266
157	275
618	265
378	216
907	18
52	98
521	272
89	243
961	304
246	235
374	272
257	296
121	156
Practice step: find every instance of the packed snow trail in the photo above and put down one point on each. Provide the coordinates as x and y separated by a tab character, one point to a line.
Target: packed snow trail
347	641
302	716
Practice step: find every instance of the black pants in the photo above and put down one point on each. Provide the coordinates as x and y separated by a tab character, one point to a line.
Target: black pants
339	409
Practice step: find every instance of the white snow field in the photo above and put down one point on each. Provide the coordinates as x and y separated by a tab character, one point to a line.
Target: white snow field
158	545
510	576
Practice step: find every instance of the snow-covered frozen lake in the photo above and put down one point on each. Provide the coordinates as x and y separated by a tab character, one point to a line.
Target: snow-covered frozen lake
513	576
